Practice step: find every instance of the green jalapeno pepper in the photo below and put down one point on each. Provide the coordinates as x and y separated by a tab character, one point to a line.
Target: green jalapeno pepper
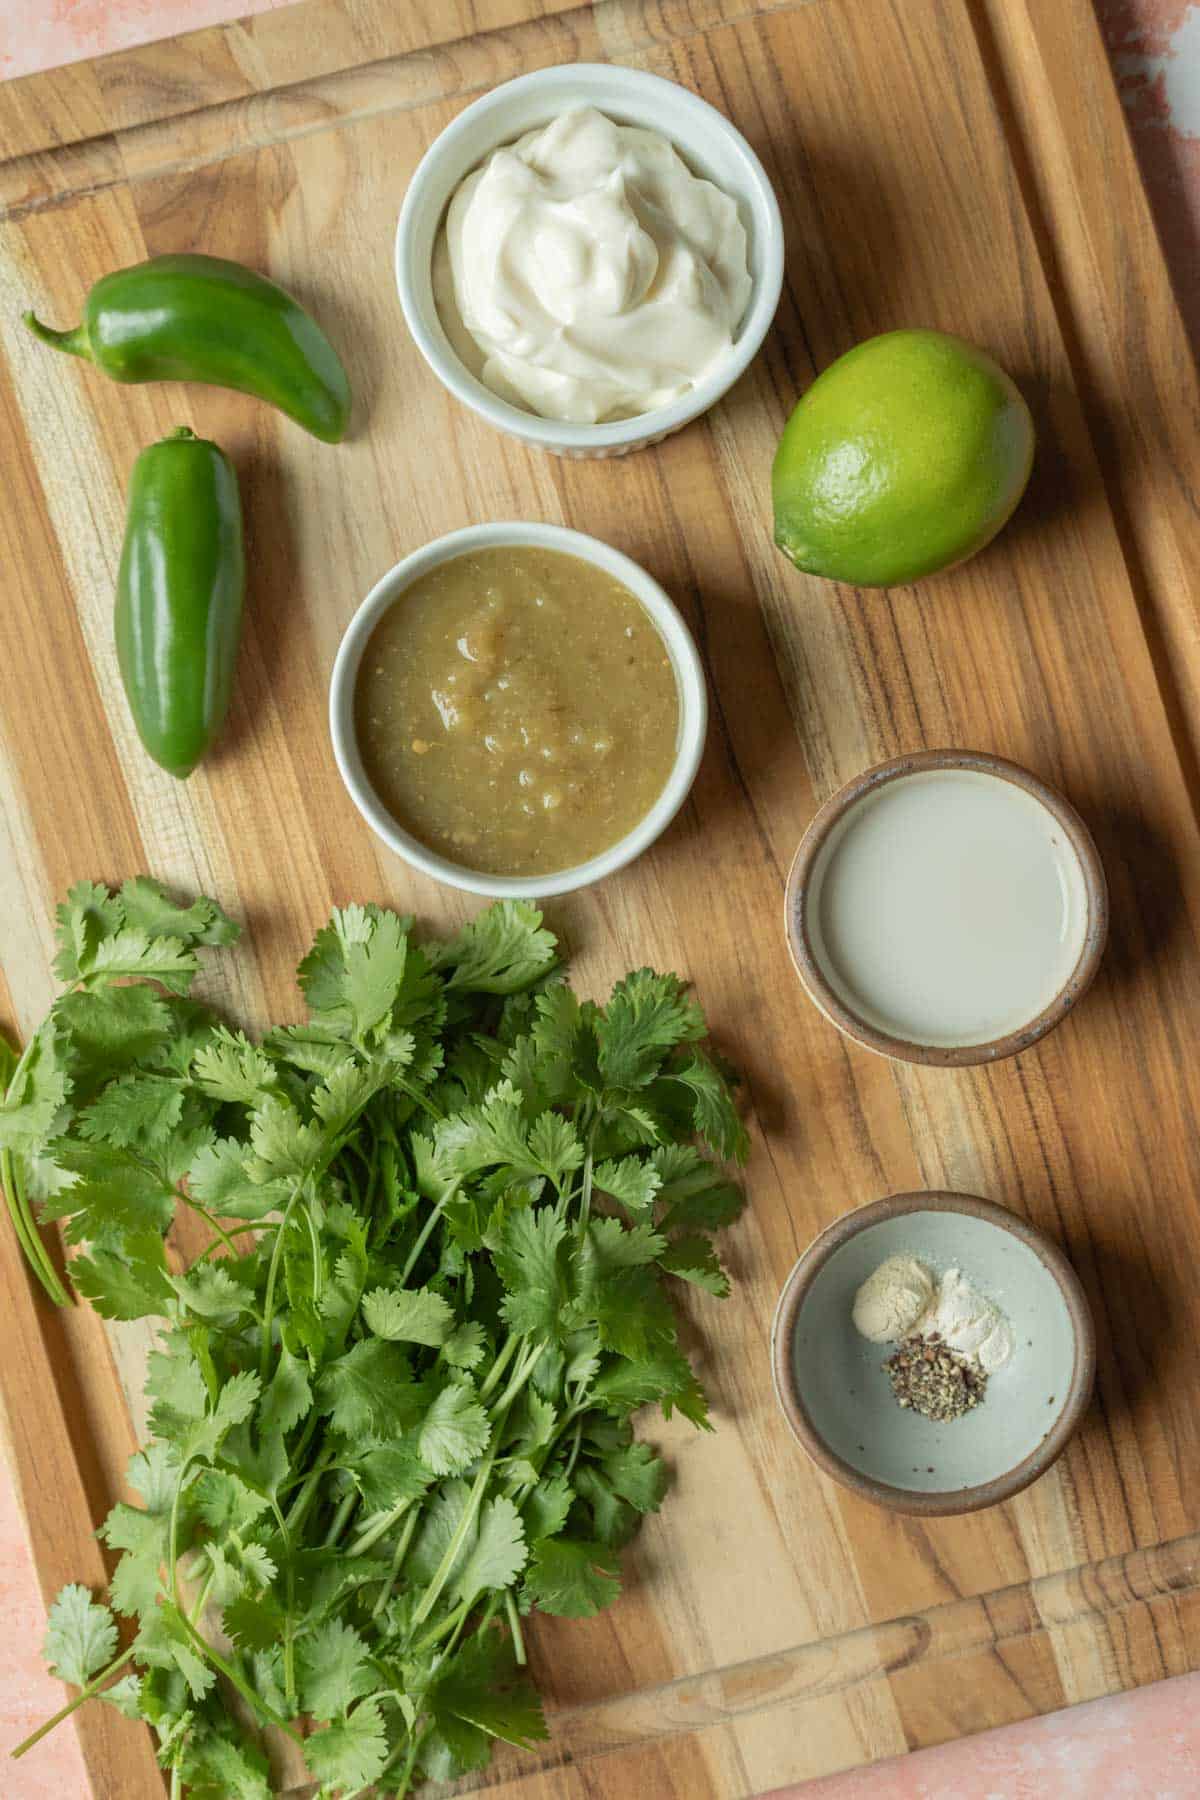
200	318
179	596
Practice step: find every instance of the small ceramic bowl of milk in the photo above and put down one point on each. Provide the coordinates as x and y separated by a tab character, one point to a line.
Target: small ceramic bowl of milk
947	908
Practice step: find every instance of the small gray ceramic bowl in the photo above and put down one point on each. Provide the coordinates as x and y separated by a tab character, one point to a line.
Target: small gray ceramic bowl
804	880
838	1399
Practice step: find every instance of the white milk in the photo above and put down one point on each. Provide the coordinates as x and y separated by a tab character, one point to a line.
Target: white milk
947	908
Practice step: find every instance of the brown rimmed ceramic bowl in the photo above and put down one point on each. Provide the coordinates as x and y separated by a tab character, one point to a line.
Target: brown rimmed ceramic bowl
838	1400
839	1009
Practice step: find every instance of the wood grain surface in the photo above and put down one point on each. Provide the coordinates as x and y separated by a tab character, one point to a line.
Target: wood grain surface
955	163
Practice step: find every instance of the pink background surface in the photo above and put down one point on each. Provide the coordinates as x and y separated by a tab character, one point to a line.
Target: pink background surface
1140	1746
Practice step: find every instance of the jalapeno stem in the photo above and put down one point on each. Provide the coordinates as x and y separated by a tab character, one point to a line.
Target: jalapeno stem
75	342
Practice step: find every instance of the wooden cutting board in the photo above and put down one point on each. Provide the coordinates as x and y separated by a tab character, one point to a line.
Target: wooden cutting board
957	163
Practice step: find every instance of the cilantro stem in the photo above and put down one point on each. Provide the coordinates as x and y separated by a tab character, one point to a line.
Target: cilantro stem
585	1191
571	1460
432	1594
348	1504
379	1528
318	1264
223	1240
264	1358
233	1676
289	1623
426	1229
514	1625
502	1360
64	1712
418	1098
520	1377
209	1220
197	1611
398	1555
303	1500
450	1623
25	1226
172	1531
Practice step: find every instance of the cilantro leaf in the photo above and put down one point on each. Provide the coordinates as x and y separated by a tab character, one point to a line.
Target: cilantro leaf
283	1144
125	1695
547	1506
611	1245
288	1396
497	1555
115	1190
409	1315
145	906
638	1475
164	1643
455	1430
142	1535
694	1259
216	1768
526	1248
129	1283
81	1636
663	1375
154	1474
465	1346
571	1578
351	1752
228	1067
389	1473
694	1192
35	1093
212	1292
218	1179
614	1521
334	1670
374	953
501	951
88	914
482	1685
134	1110
630	1180
132	954
369	1389
647	1016
111	1029
715	1115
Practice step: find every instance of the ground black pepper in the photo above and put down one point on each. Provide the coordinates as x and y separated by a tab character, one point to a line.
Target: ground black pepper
934	1380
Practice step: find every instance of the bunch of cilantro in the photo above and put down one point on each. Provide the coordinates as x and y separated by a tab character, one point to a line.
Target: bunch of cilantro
390	1408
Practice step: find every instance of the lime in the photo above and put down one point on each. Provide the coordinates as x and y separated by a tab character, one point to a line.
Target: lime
906	455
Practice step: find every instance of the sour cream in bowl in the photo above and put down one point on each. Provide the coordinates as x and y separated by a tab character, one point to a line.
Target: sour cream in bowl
589	257
585	274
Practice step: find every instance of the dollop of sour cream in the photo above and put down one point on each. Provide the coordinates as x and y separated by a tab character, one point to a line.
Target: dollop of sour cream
585	273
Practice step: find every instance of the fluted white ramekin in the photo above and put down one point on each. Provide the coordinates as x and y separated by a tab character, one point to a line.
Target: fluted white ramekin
712	148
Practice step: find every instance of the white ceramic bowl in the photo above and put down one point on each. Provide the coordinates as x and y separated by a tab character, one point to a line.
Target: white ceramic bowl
689	678
709	144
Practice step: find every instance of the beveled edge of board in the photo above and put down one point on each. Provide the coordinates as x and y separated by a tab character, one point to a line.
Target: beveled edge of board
166	77
181	129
